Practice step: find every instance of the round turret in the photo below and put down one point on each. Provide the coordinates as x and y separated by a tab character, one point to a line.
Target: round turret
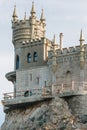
21	31
27	29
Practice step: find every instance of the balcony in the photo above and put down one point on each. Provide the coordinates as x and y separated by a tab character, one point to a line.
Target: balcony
67	90
29	97
25	98
11	76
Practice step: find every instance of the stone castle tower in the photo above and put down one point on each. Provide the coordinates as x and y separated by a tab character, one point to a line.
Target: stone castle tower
43	68
31	51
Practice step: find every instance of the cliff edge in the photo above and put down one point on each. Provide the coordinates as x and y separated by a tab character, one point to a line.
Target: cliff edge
49	115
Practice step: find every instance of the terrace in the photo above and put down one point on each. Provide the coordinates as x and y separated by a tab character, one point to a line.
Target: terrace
31	96
26	97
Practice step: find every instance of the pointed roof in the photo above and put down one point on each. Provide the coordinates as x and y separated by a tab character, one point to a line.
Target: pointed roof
42	15
81	36
25	16
33	9
54	40
15	14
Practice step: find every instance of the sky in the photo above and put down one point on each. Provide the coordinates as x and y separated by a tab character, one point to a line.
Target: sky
65	16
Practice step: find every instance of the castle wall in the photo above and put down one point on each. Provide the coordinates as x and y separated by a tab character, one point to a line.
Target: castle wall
68	65
23	52
32	78
68	68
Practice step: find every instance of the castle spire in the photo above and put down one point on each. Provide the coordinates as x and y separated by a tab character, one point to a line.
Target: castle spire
42	16
25	16
54	40
82	60
33	10
81	38
54	63
15	17
61	40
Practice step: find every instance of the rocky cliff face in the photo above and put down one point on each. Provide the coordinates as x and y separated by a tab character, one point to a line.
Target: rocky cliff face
55	114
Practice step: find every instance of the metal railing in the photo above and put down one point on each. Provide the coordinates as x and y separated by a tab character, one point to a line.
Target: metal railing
51	90
28	93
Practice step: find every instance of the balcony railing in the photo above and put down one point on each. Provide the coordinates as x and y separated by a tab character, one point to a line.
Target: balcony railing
74	87
28	93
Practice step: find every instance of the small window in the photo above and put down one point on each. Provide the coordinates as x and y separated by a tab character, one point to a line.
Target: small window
29	58
37	80
35	56
17	62
30	77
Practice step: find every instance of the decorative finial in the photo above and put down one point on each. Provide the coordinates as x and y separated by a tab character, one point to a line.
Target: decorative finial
42	16
81	36
15	17
25	16
33	9
54	40
61	40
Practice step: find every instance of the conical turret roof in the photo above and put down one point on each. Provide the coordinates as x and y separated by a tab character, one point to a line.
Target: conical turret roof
14	14
81	36
42	15
33	9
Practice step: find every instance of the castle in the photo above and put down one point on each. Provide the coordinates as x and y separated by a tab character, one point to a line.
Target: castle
43	68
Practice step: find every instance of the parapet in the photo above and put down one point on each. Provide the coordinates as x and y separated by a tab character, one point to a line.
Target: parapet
34	42
21	30
28	28
66	51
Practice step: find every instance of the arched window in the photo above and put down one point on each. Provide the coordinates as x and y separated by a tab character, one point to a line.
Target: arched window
68	77
35	56
29	58
17	62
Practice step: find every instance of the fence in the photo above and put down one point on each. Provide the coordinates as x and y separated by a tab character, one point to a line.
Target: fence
28	93
51	90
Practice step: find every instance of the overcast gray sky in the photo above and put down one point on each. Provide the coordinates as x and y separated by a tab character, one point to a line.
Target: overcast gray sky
64	16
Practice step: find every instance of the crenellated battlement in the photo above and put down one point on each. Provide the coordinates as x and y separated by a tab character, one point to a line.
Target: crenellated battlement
35	42
67	51
21	31
20	23
28	28
63	55
32	42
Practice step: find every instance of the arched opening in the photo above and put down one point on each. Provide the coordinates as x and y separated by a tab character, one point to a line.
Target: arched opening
29	58
68	78
17	62
35	57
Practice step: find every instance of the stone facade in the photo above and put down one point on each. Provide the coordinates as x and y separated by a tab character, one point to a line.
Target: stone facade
32	78
33	51
42	64
64	64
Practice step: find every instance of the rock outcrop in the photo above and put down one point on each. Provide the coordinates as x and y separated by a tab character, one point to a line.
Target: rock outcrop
55	114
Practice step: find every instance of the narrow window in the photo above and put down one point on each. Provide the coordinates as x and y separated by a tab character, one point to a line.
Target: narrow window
29	58
30	77
17	62
35	56
37	80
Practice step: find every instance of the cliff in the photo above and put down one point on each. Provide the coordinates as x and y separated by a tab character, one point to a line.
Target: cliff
56	114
